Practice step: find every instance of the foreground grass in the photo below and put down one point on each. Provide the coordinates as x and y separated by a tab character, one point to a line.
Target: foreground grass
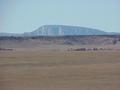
48	70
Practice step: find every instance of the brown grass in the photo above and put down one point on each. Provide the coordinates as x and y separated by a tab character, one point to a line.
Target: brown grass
58	70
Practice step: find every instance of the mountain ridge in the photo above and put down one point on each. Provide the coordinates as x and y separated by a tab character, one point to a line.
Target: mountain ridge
61	30
55	30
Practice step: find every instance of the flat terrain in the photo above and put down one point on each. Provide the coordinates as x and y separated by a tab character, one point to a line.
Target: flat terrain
59	70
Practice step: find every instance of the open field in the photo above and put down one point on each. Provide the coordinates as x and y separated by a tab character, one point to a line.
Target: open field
59	70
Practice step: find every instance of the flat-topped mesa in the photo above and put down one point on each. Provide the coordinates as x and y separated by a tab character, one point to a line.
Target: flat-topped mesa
60	30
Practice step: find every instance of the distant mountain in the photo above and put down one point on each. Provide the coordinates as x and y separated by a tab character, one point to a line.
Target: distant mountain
10	34
61	30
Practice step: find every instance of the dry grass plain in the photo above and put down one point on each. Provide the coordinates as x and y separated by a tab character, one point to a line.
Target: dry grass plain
59	70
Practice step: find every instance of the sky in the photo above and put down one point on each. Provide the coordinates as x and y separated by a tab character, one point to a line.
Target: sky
18	16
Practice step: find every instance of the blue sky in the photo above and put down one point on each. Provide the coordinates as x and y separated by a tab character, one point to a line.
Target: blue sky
19	16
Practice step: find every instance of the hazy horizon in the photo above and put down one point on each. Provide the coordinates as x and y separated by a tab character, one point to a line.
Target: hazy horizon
18	16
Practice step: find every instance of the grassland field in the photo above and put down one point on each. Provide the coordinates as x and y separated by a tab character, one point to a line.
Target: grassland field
59	70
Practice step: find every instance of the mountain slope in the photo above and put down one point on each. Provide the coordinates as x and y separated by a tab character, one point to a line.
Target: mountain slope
59	30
